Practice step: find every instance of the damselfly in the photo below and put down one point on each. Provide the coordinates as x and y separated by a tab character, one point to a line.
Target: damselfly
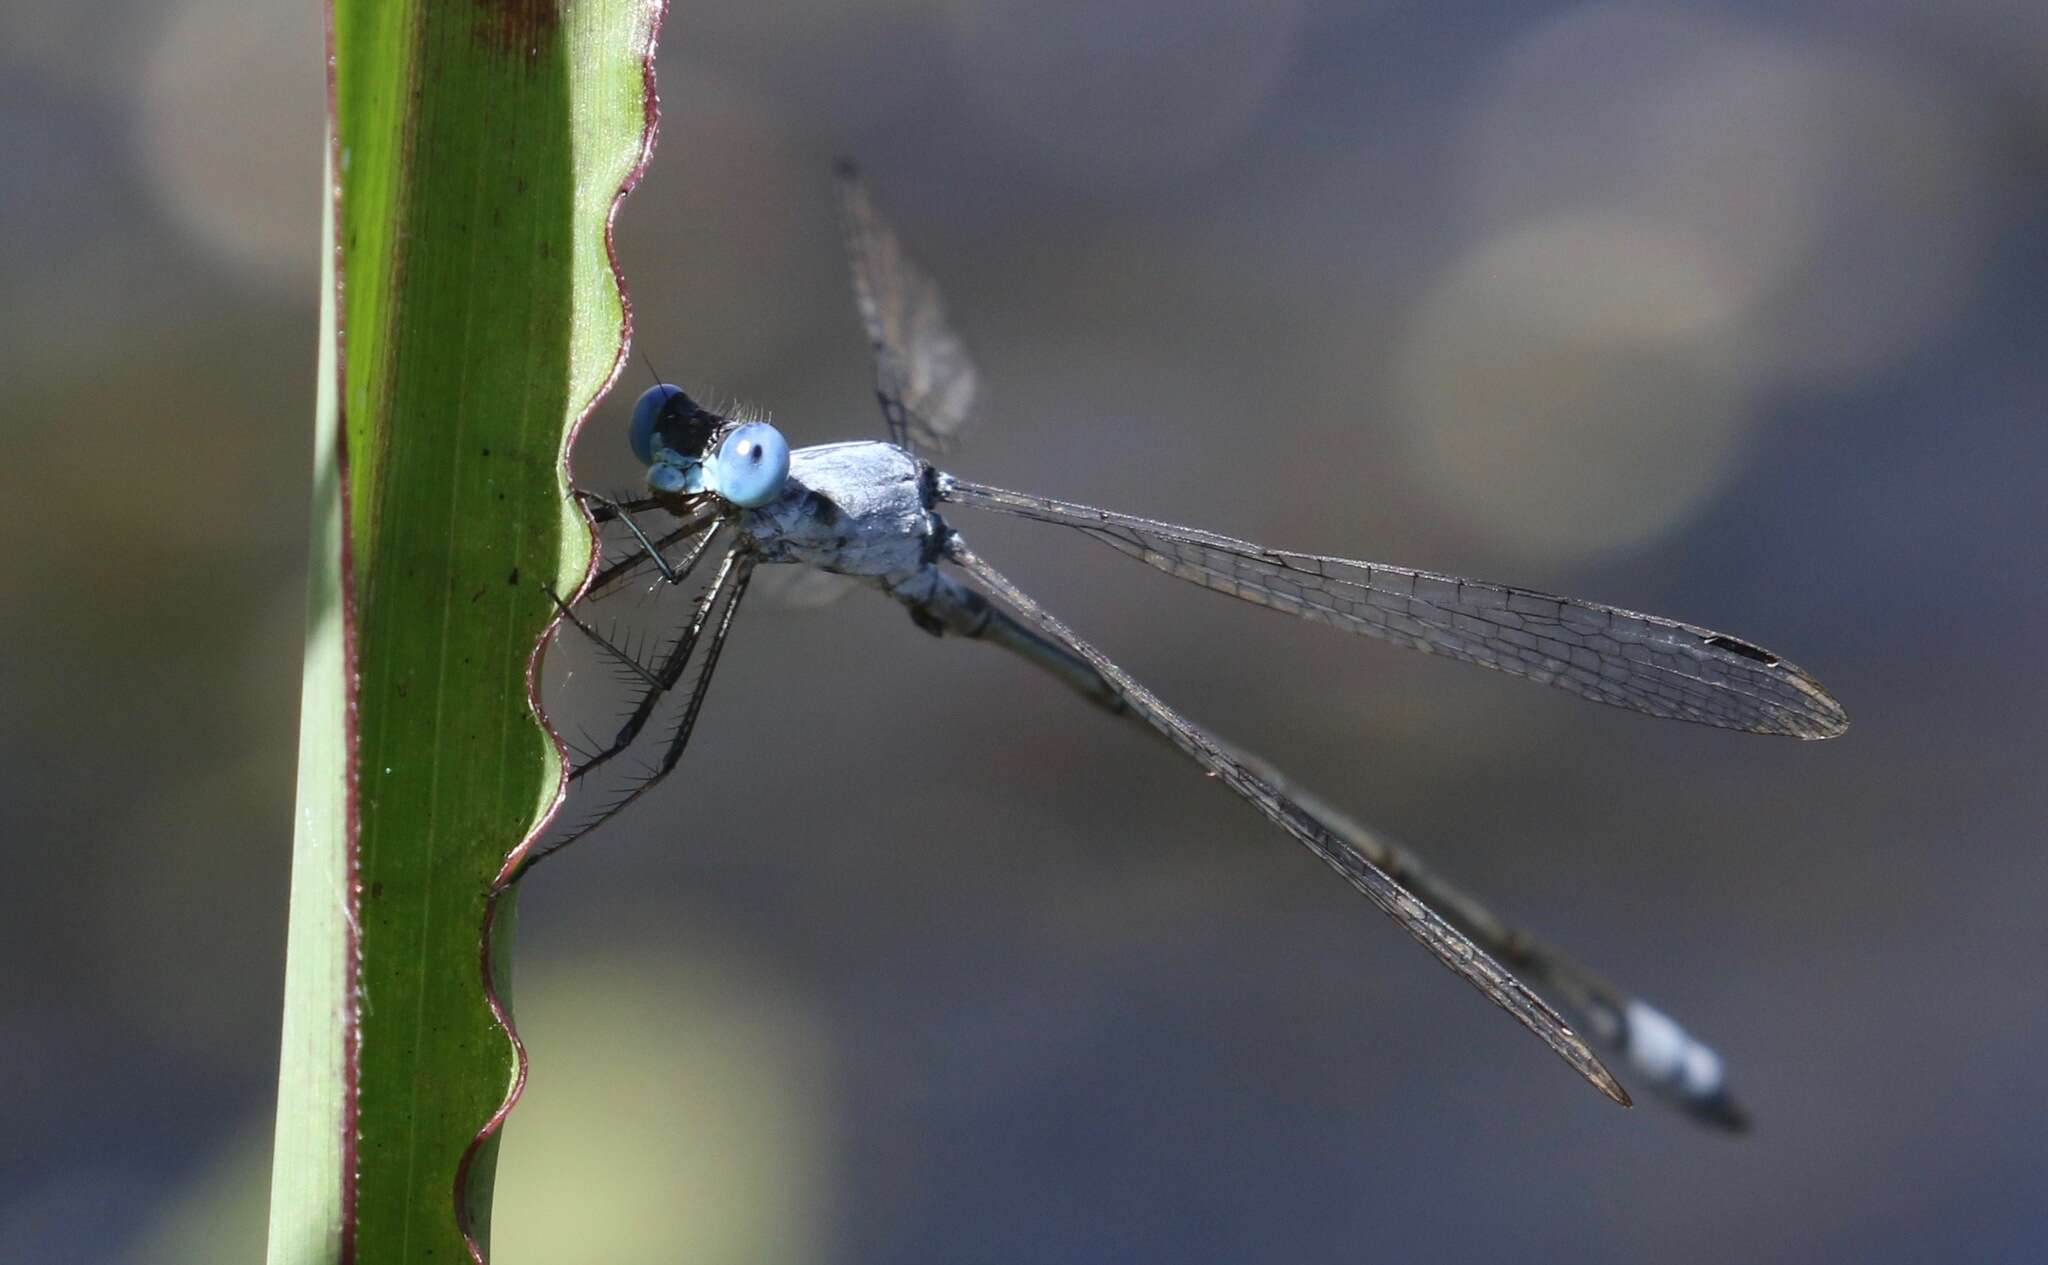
871	510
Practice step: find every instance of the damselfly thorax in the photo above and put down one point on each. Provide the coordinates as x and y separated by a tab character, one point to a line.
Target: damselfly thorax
862	509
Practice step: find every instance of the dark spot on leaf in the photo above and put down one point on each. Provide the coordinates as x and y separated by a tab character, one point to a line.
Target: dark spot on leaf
517	28
487	452
376	890
513	579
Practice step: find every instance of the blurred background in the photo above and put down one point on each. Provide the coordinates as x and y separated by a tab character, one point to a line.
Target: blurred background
1732	312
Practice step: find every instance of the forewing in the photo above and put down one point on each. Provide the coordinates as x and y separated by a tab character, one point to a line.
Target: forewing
924	379
1645	663
1450	945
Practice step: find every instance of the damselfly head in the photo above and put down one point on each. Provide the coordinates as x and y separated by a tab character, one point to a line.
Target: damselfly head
690	450
748	464
667	419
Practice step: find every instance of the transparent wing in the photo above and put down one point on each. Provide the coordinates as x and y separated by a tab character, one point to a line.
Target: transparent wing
1675	1064
924	379
1452	947
1672	1062
792	587
1645	663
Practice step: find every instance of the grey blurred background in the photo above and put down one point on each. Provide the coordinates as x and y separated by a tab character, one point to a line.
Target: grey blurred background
1730	312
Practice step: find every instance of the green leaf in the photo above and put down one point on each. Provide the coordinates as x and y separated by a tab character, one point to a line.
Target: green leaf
477	153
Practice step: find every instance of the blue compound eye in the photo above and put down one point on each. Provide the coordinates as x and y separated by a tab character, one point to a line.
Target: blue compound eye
750	465
653	414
